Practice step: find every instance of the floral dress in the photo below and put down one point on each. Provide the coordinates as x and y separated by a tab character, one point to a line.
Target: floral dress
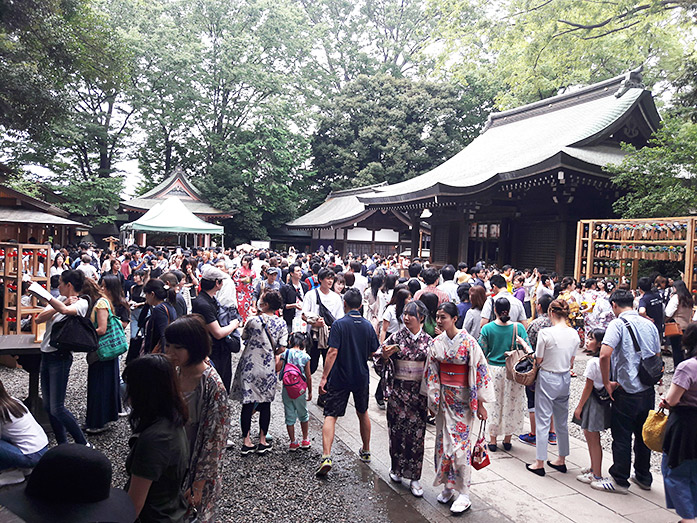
255	377
456	407
406	407
207	431
243	278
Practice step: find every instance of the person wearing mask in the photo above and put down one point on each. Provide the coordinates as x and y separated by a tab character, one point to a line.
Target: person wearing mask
495	339
209	413
293	294
631	399
516	311
555	352
679	310
223	339
679	463
458	384
352	341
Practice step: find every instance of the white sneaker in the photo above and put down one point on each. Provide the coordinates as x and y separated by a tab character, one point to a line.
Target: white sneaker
586	477
446	495
11	477
229	443
416	490
461	504
609	485
394	477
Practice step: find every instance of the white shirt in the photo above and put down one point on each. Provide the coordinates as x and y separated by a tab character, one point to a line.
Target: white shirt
81	305
89	270
332	301
361	282
450	287
24	433
556	346
517	311
593	373
390	316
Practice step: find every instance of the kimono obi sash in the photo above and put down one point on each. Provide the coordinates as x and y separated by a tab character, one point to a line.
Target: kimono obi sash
454	374
407	370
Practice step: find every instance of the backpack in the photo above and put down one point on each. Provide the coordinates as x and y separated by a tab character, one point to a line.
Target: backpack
292	378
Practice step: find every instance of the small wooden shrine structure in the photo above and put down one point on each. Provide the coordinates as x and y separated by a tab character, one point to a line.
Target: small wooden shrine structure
612	248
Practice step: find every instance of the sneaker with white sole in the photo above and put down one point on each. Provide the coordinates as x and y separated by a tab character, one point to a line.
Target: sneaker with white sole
609	485
364	455
11	477
461	504
586	477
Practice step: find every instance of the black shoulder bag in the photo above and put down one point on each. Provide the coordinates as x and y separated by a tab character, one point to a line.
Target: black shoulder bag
651	368
75	333
324	312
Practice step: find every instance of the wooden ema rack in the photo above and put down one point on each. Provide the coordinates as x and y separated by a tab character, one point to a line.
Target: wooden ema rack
612	248
17	259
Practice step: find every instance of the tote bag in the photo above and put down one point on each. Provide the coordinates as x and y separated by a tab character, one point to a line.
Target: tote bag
113	342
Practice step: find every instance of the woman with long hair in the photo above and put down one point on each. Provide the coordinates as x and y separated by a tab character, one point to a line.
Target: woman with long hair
254	384
190	283
103	400
371	303
162	300
385	294
392	319
400	363
58	266
339	285
23	440
459	384
555	353
243	277
472	323
430	300
679	309
159	453
209	412
113	291
55	365
495	338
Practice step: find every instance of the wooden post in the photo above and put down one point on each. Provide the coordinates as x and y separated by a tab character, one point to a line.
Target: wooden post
578	262
415	233
690	253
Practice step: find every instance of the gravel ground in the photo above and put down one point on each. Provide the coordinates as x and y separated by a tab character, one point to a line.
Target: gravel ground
279	486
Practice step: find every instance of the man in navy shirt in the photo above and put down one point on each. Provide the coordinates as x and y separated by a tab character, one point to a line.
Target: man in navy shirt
352	341
651	304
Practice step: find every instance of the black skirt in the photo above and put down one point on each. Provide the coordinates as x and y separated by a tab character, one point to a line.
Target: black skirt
680	439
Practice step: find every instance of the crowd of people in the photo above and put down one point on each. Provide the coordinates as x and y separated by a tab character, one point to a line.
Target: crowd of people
437	338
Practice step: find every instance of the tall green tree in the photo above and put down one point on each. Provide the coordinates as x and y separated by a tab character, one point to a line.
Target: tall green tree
387	129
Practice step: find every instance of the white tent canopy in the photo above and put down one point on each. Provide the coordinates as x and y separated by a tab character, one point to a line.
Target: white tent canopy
172	216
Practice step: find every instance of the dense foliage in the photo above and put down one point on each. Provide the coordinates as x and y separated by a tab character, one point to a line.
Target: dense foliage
270	104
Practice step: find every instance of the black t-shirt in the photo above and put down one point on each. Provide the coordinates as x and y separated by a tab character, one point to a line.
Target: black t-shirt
207	306
354	338
161	454
653	303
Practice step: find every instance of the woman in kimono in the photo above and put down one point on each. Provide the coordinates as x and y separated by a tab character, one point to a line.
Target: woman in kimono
400	362
243	278
209	412
458	384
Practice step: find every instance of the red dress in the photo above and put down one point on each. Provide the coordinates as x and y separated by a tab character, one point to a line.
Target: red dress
243	279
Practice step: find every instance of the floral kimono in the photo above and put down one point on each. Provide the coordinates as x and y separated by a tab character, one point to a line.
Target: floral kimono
456	407
243	278
406	407
207	431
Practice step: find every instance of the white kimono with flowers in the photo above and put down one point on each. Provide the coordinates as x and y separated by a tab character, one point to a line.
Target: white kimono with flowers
456	407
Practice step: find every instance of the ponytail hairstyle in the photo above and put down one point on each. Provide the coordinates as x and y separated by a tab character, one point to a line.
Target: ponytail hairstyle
502	307
9	406
161	290
567	282
75	278
559	308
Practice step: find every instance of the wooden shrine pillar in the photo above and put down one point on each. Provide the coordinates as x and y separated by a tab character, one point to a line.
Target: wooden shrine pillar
415	233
